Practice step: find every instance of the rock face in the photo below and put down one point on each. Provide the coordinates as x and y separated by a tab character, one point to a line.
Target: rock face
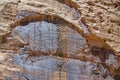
85	35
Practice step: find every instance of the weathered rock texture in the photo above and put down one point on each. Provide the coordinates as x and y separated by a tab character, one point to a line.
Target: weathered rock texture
98	21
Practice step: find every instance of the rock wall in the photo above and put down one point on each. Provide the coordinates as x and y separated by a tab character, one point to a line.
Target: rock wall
96	20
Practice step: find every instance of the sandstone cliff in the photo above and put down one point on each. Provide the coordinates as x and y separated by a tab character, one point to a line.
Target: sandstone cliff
97	21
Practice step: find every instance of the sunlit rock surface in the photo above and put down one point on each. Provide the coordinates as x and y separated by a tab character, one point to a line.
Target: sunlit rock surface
96	20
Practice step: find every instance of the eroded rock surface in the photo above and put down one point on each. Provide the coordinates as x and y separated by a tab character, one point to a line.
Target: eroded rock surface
97	21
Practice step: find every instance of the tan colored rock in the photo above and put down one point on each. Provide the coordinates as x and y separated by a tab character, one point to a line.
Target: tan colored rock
101	18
